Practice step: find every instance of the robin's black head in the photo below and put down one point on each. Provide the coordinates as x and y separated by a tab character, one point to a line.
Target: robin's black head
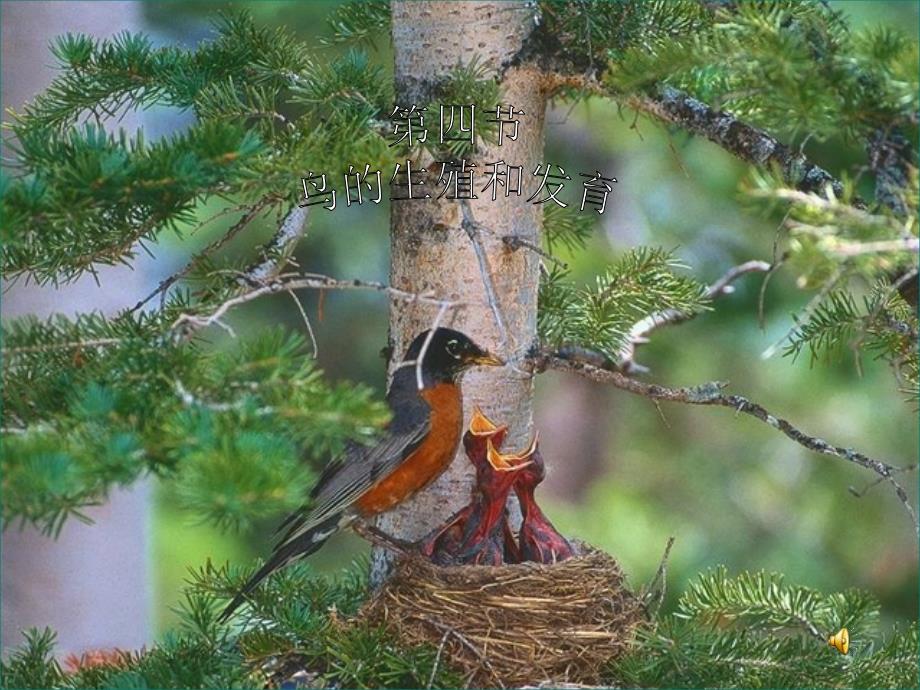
448	354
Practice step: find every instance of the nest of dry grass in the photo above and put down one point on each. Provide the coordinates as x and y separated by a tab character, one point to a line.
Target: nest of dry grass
513	625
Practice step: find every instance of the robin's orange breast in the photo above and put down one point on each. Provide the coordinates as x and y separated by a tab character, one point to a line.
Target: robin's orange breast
429	460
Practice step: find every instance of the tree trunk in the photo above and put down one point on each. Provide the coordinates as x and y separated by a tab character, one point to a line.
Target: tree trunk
430	252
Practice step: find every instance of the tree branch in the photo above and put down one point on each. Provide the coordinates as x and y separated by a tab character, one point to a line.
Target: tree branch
638	334
891	157
745	141
711	394
250	215
278	250
187	323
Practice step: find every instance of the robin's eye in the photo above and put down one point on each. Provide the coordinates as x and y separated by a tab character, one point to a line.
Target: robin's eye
453	349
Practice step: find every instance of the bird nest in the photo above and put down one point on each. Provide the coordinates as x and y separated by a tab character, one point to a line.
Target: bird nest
513	625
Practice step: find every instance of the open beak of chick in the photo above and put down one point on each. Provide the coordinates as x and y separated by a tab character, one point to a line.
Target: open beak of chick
480	425
510	462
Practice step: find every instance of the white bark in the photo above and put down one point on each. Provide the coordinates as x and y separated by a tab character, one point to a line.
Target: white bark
431	252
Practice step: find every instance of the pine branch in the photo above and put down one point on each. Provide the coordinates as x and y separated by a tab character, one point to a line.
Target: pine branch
756	630
58	224
78	197
358	22
83	416
834	247
566	227
291	632
885	325
127	71
766	601
640	283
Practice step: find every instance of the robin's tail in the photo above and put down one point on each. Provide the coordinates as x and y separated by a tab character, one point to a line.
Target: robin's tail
296	544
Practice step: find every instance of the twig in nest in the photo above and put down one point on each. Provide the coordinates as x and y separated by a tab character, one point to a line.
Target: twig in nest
437	659
447	630
378	537
657	588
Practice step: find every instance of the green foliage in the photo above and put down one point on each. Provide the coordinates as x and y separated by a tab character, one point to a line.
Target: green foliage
267	110
357	23
349	83
92	403
294	623
851	256
565	227
792	67
33	665
639	284
798	70
90	196
591	31
102	76
757	631
765	601
884	326
753	630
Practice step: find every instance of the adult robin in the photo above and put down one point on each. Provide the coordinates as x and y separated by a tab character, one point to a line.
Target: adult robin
539	540
418	445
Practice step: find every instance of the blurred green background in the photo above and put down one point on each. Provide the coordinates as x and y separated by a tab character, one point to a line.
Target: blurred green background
624	475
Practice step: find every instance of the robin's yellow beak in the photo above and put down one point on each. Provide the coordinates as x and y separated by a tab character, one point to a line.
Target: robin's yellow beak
487	360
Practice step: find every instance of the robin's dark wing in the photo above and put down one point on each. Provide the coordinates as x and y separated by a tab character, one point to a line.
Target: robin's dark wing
340	485
329	471
346	478
351	475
